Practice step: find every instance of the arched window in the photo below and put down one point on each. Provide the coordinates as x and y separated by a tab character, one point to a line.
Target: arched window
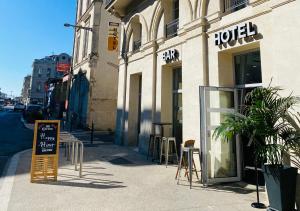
171	9
136	35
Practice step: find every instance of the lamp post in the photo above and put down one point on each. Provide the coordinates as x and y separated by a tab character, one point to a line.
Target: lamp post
78	27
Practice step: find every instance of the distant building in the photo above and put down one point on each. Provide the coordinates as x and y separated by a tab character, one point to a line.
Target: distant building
3	95
26	89
43	70
93	97
18	99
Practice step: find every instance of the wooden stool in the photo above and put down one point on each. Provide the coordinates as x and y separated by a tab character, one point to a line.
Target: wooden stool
168	142
190	151
188	143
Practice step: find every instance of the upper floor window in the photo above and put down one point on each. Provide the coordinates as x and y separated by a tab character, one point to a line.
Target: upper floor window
88	2
234	5
137	36
39	72
80	8
48	72
86	40
77	48
39	87
173	23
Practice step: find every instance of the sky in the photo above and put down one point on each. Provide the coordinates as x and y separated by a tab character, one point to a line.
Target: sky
31	29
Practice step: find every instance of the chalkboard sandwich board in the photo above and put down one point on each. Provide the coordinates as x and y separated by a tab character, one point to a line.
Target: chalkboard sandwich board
44	162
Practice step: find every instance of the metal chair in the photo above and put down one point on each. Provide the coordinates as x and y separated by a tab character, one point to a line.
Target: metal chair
167	145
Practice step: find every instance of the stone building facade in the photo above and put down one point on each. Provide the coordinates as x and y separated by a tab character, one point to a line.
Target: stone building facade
26	89
189	62
93	95
44	69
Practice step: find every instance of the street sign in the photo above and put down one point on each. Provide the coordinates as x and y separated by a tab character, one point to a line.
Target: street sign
113	36
44	162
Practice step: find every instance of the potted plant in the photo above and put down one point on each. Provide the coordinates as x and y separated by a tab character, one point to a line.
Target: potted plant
267	120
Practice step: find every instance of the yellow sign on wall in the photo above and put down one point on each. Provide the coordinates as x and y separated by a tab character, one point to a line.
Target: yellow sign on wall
113	36
44	162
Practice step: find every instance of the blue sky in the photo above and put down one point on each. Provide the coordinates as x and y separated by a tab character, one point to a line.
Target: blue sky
31	29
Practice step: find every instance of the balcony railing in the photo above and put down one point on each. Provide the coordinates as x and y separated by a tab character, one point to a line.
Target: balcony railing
172	28
234	5
137	45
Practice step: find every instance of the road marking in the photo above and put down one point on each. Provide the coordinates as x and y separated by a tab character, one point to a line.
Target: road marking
7	182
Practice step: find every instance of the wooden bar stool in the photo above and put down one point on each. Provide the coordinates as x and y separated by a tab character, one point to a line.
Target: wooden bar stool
189	150
188	143
168	144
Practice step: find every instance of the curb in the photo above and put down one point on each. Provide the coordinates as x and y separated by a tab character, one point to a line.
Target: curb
25	124
7	180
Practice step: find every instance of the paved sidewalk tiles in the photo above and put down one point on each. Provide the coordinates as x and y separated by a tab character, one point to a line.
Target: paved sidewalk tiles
118	178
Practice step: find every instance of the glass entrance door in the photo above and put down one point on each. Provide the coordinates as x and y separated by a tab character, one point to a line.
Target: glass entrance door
248	76
220	159
177	106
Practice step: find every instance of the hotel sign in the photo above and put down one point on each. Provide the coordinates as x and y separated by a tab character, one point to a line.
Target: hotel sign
170	55
235	33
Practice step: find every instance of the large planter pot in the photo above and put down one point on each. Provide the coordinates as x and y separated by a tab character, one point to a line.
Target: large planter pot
298	193
281	187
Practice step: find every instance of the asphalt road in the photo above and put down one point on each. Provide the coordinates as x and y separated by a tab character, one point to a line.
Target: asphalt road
14	136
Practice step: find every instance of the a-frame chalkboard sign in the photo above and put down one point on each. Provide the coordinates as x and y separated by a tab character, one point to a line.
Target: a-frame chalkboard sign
44	163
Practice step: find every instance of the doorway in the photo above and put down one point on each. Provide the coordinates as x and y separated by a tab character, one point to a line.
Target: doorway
248	76
177	106
135	110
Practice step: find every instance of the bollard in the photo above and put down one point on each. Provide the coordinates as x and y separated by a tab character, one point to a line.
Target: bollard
92	133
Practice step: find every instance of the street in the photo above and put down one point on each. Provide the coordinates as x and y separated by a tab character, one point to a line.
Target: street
14	137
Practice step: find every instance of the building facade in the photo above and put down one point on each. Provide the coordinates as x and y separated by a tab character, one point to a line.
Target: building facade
26	89
44	69
93	94
190	62
3	96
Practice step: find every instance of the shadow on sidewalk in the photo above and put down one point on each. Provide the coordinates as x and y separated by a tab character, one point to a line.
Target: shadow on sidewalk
236	187
95	185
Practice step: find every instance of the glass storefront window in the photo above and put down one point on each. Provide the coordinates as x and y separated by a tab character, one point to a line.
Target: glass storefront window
248	68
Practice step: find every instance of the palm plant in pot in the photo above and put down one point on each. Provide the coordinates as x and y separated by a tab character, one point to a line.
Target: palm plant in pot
267	121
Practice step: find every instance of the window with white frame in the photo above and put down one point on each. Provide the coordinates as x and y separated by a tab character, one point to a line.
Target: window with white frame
39	87
77	48
39	72
80	8
86	40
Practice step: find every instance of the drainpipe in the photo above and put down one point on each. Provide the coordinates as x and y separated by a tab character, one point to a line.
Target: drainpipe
204	45
125	58
205	83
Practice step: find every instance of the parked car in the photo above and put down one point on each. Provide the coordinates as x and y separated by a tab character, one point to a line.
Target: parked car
1	104
8	107
19	107
32	113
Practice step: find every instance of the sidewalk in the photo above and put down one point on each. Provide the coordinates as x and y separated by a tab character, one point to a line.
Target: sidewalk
118	178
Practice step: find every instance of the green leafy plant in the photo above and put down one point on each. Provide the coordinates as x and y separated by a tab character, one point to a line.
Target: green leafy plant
268	121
